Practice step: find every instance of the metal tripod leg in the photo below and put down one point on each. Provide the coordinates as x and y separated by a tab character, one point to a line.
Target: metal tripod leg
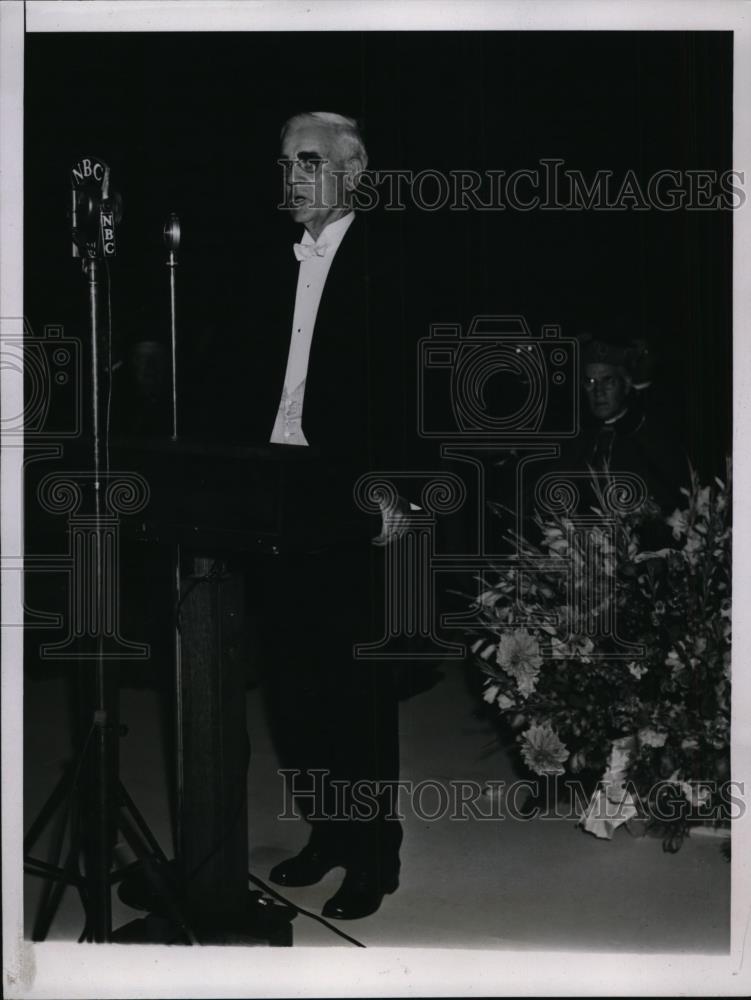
64	798
128	803
54	891
155	869
59	793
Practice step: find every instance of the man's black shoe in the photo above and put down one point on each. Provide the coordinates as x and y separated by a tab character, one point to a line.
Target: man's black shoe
306	868
361	894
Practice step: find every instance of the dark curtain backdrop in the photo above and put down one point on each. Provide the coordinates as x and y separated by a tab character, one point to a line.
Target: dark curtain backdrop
190	123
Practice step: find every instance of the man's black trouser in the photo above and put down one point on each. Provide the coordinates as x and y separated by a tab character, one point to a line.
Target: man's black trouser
333	716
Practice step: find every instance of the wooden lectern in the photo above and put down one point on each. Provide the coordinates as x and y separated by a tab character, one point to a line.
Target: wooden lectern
218	506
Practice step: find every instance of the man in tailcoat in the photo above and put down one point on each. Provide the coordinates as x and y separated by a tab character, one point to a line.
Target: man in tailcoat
332	375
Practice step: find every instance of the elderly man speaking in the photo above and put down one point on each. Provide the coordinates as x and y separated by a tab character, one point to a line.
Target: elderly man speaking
330	379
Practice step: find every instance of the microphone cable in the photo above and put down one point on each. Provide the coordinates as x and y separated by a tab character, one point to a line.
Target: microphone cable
300	909
234	819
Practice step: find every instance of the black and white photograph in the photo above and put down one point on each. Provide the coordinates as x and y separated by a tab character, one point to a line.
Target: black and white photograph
374	387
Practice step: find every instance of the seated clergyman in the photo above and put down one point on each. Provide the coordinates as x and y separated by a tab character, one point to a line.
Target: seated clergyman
621	430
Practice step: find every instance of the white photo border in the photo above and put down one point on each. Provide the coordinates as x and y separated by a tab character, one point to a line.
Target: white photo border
72	970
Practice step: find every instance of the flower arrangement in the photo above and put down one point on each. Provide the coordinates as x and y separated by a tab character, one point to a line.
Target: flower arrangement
596	643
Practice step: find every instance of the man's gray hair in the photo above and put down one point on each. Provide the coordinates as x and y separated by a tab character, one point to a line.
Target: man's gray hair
345	129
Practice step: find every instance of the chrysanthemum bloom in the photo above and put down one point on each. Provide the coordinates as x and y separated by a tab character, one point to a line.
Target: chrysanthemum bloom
518	654
542	750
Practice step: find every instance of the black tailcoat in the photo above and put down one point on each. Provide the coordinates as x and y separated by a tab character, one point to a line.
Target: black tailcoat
360	388
328	711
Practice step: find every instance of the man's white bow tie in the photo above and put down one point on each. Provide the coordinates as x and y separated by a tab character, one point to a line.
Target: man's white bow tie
304	251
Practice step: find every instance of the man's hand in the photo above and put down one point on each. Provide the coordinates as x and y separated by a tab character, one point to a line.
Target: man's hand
394	521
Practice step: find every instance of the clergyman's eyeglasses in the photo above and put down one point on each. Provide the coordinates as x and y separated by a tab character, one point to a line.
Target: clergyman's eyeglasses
608	382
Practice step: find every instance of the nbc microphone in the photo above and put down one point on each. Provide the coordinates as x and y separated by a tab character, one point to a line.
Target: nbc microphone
95	210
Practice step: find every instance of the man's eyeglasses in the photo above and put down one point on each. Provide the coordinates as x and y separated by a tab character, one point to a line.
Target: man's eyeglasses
606	382
308	164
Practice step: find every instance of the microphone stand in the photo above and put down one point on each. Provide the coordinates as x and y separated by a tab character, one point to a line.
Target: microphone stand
203	895
92	782
172	242
171	235
229	910
105	720
99	804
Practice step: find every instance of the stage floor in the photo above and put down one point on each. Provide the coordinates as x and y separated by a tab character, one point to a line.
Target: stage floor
466	883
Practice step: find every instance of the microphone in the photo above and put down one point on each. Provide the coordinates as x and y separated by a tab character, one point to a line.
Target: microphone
171	233
95	210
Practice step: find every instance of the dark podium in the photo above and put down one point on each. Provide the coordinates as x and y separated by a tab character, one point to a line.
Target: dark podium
217	506
212	507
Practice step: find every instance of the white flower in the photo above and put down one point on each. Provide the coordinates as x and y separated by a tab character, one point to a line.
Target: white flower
542	750
696	793
483	648
637	670
554	539
678	521
651	738
657	554
504	702
491	693
674	661
693	546
578	647
581	647
702	500
488	599
518	654
558	648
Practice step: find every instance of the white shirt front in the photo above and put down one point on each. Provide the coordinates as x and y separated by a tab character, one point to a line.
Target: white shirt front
311	279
